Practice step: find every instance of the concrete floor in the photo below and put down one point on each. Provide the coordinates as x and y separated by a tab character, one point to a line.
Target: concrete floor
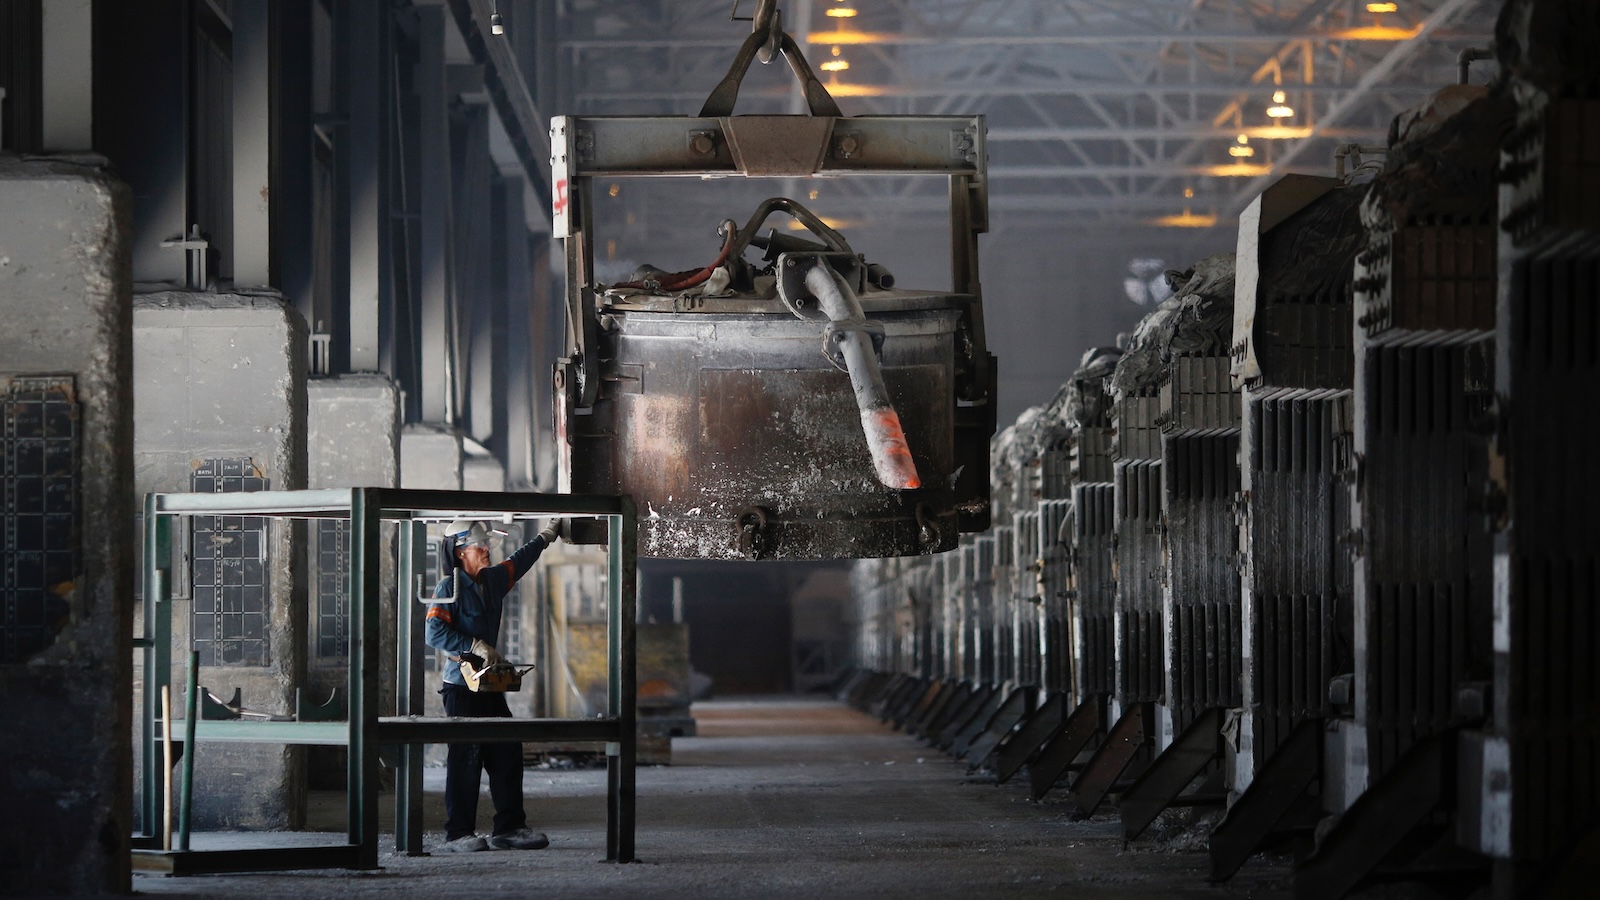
781	797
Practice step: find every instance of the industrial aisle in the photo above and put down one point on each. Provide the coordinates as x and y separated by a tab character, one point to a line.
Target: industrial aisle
783	797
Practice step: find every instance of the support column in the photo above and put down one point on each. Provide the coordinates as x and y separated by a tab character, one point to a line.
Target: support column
434	211
68	83
66	541
367	40
220	406
479	373
293	217
353	428
252	144
141	119
520	380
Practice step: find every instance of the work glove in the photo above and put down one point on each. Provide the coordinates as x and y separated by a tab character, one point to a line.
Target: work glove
552	530
489	655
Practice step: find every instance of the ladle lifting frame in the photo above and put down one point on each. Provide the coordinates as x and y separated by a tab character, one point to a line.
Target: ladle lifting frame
363	729
710	403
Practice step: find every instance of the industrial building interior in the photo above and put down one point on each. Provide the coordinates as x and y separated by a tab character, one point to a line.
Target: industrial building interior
1187	499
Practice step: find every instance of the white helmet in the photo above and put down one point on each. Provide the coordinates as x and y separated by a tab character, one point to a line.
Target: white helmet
465	533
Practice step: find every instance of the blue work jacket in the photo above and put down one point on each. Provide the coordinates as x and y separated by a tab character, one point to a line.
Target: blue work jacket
476	613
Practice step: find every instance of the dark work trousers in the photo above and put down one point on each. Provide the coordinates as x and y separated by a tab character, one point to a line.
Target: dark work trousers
466	764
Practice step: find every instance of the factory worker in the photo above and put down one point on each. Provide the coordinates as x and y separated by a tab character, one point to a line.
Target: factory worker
470	627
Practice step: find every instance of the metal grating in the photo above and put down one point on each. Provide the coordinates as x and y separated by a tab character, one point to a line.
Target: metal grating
228	570
1054	573
1552	167
1202	479
1548	606
1095	581
1136	429
1300	573
1197	395
331	555
985	612
1027	565
39	496
969	647
1301	334
1427	605
1141	667
1055	470
1430	261
1091	454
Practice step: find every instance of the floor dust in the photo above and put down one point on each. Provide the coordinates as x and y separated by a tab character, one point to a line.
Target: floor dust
777	797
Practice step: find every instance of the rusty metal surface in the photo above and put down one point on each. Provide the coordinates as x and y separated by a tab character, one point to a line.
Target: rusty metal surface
1429	263
621	145
1292	312
1071	738
1099	776
727	426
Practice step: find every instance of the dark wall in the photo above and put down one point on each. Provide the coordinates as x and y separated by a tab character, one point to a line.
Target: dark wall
21	113
739	618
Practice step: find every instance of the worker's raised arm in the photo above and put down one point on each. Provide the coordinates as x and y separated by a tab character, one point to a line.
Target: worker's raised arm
506	574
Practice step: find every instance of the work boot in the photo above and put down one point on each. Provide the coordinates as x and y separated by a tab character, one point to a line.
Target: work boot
521	839
470	843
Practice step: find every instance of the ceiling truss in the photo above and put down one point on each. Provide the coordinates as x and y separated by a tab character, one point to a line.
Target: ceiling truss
1101	112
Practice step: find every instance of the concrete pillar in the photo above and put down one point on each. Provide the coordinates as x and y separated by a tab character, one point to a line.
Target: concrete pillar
66	421
482	473
430	457
354	436
220	393
353	440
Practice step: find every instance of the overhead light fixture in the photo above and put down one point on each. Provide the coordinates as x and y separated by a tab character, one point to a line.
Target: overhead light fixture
842	12
1280	108
1187	220
835	65
1242	150
1382	7
497	25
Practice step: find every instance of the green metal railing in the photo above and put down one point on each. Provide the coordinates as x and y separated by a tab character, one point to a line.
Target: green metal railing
366	728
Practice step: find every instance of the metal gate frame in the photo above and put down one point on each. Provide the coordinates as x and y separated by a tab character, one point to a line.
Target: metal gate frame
365	728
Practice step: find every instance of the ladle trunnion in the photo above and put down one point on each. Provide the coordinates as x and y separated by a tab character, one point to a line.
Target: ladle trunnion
800	406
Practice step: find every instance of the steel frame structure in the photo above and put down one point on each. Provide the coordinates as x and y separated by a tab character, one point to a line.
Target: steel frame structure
364	728
1105	112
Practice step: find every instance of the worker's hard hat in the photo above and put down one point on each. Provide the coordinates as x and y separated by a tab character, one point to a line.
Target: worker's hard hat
464	533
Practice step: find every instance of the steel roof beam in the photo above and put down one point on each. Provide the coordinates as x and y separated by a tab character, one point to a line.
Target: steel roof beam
1056	89
1367	85
829	38
1179	131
